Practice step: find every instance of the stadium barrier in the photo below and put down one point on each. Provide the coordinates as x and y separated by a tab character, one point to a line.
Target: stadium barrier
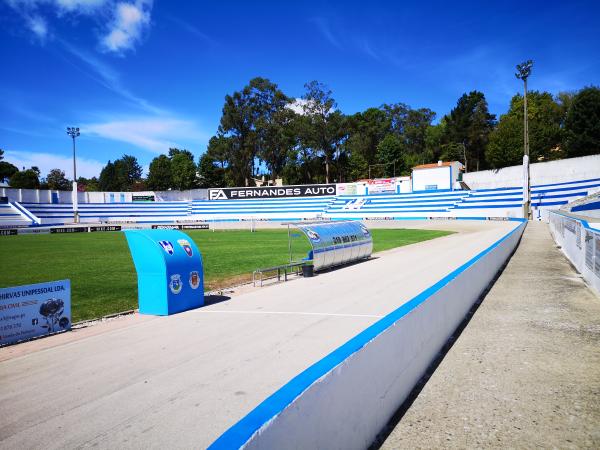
347	398
580	243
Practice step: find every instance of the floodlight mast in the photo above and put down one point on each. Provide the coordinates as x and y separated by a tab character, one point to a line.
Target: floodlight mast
74	133
523	72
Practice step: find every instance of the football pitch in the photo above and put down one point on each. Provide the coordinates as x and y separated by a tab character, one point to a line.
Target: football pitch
103	279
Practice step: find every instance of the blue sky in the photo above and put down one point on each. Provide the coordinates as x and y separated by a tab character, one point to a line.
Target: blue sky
139	76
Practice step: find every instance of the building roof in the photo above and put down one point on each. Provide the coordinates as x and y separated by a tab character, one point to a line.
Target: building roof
434	165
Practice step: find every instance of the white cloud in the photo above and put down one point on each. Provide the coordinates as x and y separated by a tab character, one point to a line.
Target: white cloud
129	22
128	19
38	25
80	5
297	106
47	161
155	134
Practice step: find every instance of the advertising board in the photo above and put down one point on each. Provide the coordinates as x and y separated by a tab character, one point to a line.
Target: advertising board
380	185
142	198
34	310
105	228
308	190
68	230
589	250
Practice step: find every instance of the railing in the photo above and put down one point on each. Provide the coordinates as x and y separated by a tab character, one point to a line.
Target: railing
294	267
580	243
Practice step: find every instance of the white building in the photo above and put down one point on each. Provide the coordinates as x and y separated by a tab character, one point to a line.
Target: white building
435	177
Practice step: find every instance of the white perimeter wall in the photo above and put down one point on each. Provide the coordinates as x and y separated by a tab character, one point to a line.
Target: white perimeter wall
45	196
351	402
580	243
439	176
572	169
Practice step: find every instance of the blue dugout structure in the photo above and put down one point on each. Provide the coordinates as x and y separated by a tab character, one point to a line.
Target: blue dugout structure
338	242
169	269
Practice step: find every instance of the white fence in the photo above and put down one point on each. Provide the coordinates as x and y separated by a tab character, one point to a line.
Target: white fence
580	243
584	168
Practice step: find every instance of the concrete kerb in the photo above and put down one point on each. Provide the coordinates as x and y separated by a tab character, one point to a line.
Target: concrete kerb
386	361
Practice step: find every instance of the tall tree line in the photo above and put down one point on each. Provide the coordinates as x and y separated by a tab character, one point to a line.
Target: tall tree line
265	133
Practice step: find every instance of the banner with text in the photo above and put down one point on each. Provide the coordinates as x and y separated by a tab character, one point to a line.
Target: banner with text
308	190
34	310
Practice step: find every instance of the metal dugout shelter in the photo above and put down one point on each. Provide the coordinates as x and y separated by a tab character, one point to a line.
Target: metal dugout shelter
335	243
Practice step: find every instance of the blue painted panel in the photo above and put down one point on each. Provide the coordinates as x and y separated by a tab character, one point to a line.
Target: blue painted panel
169	269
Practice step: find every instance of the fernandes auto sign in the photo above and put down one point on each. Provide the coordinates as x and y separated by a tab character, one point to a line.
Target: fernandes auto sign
308	190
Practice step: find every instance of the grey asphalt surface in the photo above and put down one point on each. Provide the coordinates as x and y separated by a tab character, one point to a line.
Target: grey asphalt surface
180	381
525	372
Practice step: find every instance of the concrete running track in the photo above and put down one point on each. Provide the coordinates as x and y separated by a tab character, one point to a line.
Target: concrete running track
525	373
181	381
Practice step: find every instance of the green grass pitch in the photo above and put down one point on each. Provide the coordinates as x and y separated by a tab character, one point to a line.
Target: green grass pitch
103	279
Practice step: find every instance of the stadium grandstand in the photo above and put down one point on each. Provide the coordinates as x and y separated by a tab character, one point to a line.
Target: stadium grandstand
20	210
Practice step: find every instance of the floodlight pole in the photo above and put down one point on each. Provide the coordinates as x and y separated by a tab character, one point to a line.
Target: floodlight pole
523	72
74	133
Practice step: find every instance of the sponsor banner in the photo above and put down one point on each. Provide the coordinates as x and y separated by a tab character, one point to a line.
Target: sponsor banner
379	218
34	310
142	198
589	250
597	256
442	218
198	226
166	227
8	232
499	218
121	221
34	231
105	228
346	189
68	230
308	190
380	185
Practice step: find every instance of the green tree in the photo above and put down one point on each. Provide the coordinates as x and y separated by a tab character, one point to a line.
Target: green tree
210	174
107	181
128	172
25	179
505	146
582	124
470	123
7	170
324	129
183	171
417	123
245	118
366	131
219	148
434	140
176	151
159	174
278	138
88	184
390	153
56	180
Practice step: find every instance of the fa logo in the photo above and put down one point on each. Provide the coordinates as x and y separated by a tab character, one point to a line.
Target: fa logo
217	194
